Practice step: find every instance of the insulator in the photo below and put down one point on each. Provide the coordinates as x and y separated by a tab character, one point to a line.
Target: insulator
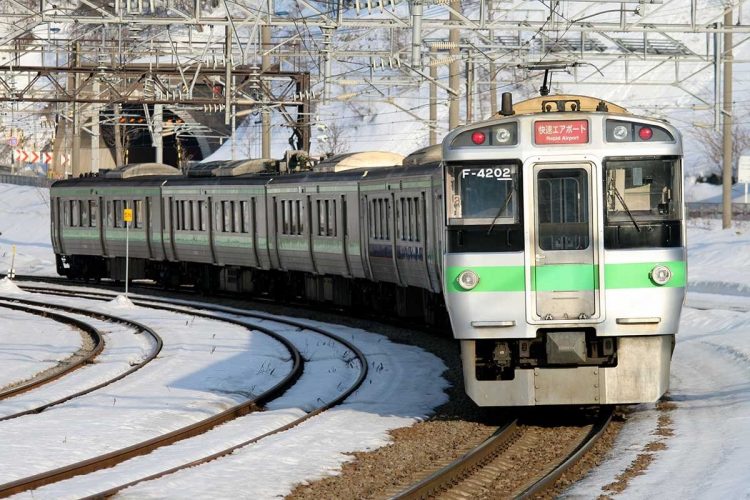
444	60
443	45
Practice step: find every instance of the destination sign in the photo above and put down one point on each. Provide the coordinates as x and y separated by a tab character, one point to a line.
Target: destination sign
561	132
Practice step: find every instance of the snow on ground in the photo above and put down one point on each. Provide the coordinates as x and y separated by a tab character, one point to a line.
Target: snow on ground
703	453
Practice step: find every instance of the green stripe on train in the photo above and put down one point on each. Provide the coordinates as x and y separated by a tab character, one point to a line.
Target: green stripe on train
491	278
636	275
565	277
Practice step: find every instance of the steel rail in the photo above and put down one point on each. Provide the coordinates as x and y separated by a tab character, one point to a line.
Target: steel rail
113	458
93	333
158	344
357	353
547	481
461	466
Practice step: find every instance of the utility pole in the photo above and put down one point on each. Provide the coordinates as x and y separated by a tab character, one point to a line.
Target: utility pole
75	157
469	90
727	130
454	71
433	99
265	45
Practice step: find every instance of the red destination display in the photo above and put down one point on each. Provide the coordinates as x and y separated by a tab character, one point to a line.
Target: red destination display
561	132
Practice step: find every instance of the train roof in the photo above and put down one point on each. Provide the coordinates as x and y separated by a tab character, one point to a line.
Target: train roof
564	102
359	160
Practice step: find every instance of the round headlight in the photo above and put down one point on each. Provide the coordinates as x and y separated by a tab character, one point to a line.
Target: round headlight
502	135
468	279
660	275
620	132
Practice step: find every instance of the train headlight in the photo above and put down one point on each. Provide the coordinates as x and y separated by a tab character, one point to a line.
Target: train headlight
620	132
502	135
468	279
660	275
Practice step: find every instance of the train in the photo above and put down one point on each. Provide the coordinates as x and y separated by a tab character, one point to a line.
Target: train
551	236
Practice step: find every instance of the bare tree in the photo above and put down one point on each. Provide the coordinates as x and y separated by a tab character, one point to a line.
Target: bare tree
711	142
333	140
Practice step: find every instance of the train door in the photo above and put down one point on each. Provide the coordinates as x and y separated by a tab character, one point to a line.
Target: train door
56	223
564	274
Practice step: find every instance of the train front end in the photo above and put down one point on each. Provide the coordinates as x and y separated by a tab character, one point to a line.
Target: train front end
564	259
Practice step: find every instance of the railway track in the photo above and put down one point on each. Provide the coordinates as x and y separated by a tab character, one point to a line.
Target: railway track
249	320
491	470
65	314
92	345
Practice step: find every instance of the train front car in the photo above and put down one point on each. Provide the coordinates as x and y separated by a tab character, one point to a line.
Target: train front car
565	262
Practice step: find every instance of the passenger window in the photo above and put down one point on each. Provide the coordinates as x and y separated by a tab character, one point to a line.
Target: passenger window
93	209
138	213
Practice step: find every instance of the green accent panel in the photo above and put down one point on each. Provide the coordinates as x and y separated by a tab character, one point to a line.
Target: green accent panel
81	233
491	279
119	234
288	244
326	246
565	277
191	239
636	275
234	241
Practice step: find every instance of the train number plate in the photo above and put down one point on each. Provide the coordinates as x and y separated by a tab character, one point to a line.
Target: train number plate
561	132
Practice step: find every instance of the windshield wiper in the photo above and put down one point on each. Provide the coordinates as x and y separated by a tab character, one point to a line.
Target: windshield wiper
503	207
614	189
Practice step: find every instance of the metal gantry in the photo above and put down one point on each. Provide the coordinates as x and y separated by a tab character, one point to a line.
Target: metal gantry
85	64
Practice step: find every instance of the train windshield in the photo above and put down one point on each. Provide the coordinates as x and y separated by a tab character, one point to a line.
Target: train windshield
485	194
642	189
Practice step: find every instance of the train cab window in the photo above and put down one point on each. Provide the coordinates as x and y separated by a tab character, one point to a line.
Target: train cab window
642	189
483	194
642	199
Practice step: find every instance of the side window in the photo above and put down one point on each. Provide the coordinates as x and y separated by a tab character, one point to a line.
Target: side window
226	208
332	230
321	218
236	225
118	213
245	215
110	214
202	215
178	215
93	209
218	217
138	213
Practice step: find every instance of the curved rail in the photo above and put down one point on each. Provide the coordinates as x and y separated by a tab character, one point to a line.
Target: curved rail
460	467
491	451
203	426
37	381
548	480
158	344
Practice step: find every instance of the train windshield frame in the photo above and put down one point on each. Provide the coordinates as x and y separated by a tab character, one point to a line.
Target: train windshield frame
483	193
639	189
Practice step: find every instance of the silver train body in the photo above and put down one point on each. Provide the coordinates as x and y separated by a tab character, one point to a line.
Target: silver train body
555	240
569	290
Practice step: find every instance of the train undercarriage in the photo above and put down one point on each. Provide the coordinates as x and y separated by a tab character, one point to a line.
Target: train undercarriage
294	286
